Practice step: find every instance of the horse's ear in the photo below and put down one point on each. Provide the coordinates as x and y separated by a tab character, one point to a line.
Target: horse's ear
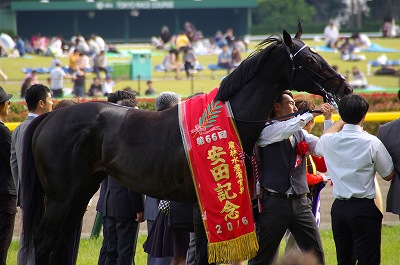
299	32
288	39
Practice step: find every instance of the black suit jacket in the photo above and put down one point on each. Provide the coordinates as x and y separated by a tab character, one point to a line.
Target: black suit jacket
389	135
7	184
121	201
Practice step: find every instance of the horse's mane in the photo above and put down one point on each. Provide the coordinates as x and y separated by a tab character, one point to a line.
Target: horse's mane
247	69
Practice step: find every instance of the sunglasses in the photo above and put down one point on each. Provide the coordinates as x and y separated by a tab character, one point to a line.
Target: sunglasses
8	102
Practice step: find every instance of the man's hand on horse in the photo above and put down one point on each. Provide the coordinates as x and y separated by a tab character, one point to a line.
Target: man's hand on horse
326	110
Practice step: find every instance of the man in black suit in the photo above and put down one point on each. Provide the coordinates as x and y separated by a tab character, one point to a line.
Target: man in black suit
388	134
8	192
123	207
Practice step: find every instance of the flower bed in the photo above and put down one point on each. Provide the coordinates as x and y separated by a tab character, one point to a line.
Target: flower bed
379	102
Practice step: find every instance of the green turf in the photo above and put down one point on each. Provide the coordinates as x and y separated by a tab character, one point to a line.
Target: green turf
89	249
202	81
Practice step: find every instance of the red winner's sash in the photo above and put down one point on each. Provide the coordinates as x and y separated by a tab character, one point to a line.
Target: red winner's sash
216	160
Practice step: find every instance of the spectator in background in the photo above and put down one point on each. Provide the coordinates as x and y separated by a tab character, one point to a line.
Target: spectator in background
346	50
25	85
99	40
165	35
150	91
8	191
75	39
73	61
34	76
182	41
172	63
219	39
331	35
190	30
100	63
189	59
95	89
79	83
361	41
358	79
236	58
225	58
107	86
55	46
57	81
84	62
82	46
165	38
19	46
94	47
55	61
229	37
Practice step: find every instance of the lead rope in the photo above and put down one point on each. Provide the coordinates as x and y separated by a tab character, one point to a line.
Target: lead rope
253	161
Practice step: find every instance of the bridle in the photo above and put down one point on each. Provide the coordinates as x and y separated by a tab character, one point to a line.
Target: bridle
311	74
297	65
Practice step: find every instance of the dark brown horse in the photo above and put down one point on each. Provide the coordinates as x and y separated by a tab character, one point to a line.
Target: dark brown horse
70	151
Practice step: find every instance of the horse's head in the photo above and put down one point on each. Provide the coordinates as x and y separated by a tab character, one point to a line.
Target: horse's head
311	73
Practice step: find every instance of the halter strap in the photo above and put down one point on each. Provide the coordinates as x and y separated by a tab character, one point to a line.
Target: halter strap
328	96
304	46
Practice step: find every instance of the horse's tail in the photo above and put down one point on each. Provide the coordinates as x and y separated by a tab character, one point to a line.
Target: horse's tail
32	191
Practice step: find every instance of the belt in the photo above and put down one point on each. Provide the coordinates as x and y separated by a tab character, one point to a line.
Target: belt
288	196
353	199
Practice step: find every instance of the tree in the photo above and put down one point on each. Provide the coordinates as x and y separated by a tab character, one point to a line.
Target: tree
274	15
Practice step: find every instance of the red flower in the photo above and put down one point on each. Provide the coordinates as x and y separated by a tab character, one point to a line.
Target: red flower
302	148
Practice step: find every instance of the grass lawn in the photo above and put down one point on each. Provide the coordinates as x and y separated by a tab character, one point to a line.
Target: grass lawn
89	249
202	81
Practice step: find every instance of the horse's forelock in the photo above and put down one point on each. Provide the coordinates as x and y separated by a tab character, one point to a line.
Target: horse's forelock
247	69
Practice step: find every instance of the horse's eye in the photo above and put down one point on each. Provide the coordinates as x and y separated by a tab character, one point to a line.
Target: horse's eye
312	62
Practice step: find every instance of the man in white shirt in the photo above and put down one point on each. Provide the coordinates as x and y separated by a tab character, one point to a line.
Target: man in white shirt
353	157
57	81
100	63
331	35
283	182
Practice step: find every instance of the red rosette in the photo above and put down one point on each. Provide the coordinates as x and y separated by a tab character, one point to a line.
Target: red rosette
302	148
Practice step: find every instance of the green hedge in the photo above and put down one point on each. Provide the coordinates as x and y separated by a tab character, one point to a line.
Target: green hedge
379	102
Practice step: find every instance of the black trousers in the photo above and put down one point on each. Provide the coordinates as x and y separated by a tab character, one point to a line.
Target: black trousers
8	209
122	238
280	214
357	226
57	93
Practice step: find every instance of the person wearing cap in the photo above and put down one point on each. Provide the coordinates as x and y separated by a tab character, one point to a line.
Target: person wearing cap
8	192
38	100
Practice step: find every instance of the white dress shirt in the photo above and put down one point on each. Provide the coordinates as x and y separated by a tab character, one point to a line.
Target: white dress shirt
281	130
352	157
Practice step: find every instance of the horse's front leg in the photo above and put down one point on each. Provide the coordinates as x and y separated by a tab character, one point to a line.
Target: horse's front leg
201	238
